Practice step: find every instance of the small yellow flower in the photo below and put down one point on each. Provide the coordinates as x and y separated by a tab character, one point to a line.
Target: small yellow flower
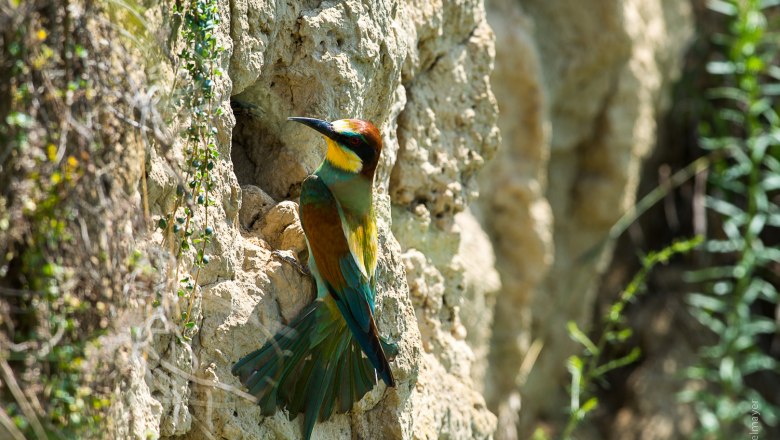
42	34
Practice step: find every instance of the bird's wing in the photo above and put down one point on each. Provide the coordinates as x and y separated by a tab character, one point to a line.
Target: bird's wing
335	262
358	219
338	269
361	236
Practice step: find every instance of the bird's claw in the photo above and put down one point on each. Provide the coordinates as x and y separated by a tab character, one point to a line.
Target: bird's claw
284	256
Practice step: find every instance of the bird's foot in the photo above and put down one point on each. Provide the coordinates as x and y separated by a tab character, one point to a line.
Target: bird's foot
390	348
287	257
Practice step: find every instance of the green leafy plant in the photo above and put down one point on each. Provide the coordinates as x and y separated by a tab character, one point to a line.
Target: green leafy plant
65	265
199	58
591	366
745	127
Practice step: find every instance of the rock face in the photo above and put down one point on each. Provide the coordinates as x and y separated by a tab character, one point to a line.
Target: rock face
419	71
580	85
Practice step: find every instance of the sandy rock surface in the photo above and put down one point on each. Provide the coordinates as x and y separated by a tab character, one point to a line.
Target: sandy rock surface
480	246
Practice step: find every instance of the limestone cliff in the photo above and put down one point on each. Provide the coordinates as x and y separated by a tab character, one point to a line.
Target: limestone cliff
420	72
579	87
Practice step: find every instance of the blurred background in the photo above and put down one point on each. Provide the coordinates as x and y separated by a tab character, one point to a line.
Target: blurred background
656	125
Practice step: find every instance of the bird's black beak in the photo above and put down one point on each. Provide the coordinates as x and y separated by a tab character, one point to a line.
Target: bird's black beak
323	127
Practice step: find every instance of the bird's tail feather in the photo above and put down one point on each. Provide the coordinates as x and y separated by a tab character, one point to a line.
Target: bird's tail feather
313	366
373	346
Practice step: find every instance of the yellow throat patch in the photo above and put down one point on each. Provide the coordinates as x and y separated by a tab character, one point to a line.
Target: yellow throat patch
342	158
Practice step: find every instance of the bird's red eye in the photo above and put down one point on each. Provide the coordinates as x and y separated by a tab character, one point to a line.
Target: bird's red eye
354	141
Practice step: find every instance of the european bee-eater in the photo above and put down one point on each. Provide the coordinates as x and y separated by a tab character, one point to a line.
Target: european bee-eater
329	356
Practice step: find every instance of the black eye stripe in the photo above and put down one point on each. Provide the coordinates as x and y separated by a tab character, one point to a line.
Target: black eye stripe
358	144
352	139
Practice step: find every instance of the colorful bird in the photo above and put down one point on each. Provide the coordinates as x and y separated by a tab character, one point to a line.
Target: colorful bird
329	356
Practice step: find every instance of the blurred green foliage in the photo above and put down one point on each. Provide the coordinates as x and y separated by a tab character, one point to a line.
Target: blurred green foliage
46	337
742	124
591	366
65	263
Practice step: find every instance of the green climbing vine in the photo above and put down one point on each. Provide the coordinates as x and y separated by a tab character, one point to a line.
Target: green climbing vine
199	59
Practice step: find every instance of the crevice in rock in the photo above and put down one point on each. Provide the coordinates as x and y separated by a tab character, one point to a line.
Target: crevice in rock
243	163
258	154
